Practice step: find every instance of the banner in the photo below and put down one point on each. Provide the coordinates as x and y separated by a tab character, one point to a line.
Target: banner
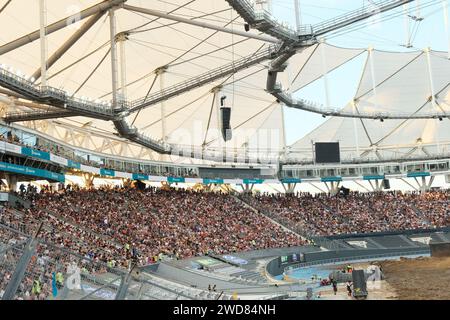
32	172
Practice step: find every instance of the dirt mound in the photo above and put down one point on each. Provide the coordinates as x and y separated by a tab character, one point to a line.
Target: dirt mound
419	279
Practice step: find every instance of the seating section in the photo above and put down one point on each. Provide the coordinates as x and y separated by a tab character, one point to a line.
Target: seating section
324	215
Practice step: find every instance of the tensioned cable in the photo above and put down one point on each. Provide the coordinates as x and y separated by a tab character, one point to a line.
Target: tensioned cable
5	5
210	116
202	41
92	72
179	109
146	96
363	24
169	26
89	44
249	119
79	60
156	19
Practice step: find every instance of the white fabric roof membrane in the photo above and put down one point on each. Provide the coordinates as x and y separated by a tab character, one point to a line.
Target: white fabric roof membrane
311	64
186	51
398	83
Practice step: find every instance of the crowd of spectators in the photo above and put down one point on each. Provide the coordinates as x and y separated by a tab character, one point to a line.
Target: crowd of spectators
325	214
111	227
109	223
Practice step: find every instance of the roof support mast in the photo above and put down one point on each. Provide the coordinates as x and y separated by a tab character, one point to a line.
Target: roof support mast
298	18
69	43
43	39
114	63
433	101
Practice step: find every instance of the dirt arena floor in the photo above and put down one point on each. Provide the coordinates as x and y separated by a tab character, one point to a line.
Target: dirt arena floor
405	279
418	279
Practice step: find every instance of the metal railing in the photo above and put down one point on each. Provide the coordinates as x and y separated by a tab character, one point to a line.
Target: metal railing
358	258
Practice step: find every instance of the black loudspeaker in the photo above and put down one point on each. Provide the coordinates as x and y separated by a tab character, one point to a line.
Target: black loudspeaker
247	27
386	184
359	284
344	191
140	185
225	115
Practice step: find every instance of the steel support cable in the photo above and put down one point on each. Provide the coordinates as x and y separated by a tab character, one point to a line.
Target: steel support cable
156	19
174	23
391	76
208	53
196	100
205	96
177	110
135	109
304	65
200	43
97	32
146	96
92	72
331	70
210	116
363	24
5	5
248	120
364	126
360	25
189	35
145	76
78	61
141	43
406	120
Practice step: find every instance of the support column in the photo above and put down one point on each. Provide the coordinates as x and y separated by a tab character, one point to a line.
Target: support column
247	187
424	185
43	39
12	181
88	179
160	72
355	129
298	18
378	185
114	63
121	39
333	187
289	188
434	104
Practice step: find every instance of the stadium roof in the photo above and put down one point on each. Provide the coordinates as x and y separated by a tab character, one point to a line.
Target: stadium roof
160	52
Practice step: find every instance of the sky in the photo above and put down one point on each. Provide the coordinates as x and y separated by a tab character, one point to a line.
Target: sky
380	33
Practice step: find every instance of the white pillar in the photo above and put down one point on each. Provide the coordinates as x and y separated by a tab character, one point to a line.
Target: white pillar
269	6
114	64
43	39
298	18
123	67
355	129
434	104
163	104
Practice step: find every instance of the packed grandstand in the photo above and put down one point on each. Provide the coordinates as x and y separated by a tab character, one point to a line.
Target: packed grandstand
144	148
